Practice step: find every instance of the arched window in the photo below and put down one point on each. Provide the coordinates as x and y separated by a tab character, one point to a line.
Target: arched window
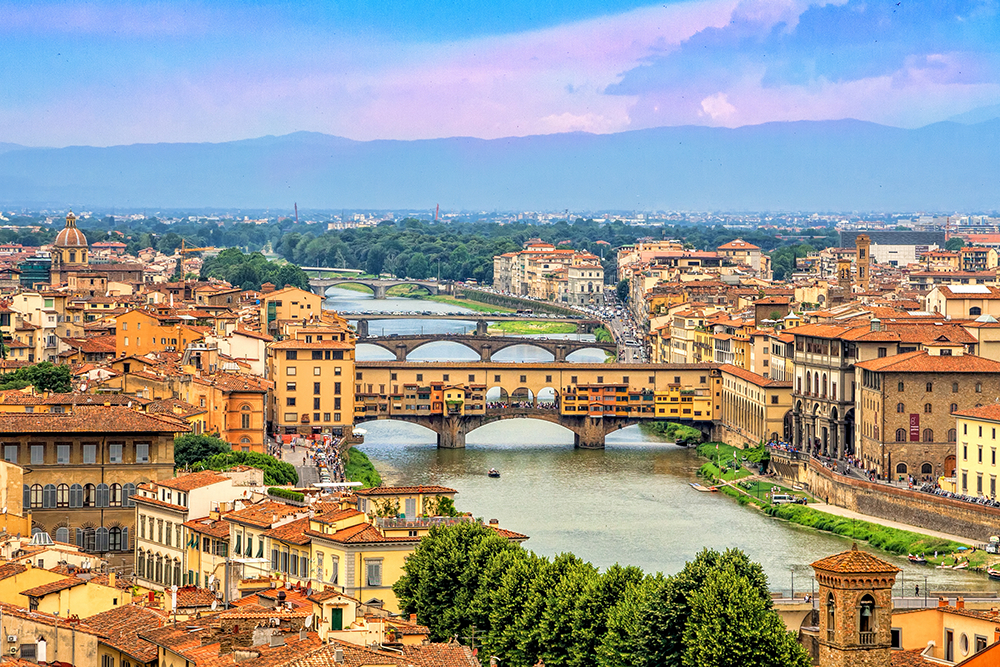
954	387
926	469
824	385
245	416
76	496
102	538
900	408
953	408
245	440
89	495
866	617
927	408
979	387
975	310
952	435
901	468
899	386
115	495
928	435
127	492
102	495
62	534
809	382
36	496
177	571
115	539
900	435
930	387
62	495
149	566
140	563
159	569
49	496
831	618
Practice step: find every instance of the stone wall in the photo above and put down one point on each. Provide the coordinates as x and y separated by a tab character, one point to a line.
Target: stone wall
506	301
974	522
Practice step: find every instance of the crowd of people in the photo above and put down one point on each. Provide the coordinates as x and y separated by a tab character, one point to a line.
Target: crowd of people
504	405
931	487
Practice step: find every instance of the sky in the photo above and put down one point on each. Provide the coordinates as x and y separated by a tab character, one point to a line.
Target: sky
108	73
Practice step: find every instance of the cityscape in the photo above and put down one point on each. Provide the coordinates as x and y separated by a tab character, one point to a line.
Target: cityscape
566	334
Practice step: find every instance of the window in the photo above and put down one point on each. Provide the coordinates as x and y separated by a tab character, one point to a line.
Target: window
291	417
317	370
316	388
290	370
142	453
954	387
36	496
10	453
291	355
882	352
115	453
975	310
928	435
900	408
373	571
900	435
901	468
115	495
953	408
899	387
952	435
37	454
89	495
979	387
245	420
420	377
896	638
290	401
90	454
62	495
927	408
334	569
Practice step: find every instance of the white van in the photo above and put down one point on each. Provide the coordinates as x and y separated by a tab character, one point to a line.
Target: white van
782	499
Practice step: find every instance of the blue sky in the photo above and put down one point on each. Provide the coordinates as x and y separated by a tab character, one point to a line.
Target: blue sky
106	73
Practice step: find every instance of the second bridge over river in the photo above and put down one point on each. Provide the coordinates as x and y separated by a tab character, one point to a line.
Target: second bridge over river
485	346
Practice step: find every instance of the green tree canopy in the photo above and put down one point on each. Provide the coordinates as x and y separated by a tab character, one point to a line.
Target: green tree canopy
276	473
191	448
43	376
955	243
621	291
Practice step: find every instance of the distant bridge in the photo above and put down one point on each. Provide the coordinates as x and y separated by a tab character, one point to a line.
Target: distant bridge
377	285
485	346
482	324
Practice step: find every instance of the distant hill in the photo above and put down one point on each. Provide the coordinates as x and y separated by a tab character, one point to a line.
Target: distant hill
813	166
979	115
9	147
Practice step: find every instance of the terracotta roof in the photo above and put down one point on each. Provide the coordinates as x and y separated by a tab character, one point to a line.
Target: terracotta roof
362	533
989	412
11	569
911	658
46	619
315	345
294	532
750	376
212	527
190	596
263	514
922	362
425	655
90	419
854	561
194	480
121	625
54	587
400	490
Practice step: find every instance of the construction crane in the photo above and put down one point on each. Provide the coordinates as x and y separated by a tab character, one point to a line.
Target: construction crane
184	250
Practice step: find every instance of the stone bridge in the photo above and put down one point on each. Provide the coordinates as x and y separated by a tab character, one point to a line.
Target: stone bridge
588	432
485	346
363	326
377	285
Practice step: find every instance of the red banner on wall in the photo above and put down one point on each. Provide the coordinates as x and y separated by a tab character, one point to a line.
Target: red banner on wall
914	428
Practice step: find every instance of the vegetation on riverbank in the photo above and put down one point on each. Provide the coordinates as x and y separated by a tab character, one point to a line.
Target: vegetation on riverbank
532	328
250	271
276	473
686	436
477	306
526	609
359	468
603	335
892	540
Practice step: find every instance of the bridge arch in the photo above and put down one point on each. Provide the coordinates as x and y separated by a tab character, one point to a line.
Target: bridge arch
347	281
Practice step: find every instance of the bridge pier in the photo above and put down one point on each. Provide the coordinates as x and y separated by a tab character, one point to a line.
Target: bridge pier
319	290
485	352
482	327
379	290
560	353
401	352
590	434
452	433
362	329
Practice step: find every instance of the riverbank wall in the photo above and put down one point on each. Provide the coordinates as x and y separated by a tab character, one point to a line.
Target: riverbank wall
882	501
514	302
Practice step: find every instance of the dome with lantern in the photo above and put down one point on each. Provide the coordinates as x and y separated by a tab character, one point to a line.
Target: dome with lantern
70	236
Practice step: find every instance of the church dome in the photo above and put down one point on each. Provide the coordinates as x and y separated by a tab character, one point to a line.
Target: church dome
70	236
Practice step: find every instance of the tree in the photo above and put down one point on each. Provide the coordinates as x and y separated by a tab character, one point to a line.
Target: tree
593	609
276	473
955	244
732	623
43	376
191	448
622	290
418	267
620	643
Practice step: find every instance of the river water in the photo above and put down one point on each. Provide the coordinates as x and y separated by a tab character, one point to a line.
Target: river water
630	503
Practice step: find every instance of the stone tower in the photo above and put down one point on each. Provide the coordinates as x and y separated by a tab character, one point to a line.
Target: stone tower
855	609
863	244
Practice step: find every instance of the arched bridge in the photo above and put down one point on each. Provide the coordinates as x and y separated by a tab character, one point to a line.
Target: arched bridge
485	346
362	325
588	432
377	285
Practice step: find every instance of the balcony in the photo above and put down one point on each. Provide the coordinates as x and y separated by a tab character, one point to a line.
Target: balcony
866	638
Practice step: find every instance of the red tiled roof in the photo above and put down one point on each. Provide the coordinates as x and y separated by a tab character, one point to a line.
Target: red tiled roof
294	532
263	514
402	490
212	527
750	376
854	561
989	412
122	625
90	419
194	480
53	587
922	362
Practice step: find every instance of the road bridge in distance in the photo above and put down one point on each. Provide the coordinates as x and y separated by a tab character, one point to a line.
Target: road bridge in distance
363	327
485	346
378	286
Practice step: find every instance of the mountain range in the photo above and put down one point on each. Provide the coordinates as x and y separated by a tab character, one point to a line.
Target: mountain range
844	165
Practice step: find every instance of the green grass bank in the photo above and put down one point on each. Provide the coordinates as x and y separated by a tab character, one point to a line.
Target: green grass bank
532	328
358	468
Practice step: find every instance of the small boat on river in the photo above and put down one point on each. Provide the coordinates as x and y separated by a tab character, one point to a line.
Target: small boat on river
493	473
993	574
698	487
919	560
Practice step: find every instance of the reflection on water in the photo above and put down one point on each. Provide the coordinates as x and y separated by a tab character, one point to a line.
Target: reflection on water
630	503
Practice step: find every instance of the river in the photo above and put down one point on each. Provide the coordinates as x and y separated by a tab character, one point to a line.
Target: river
630	503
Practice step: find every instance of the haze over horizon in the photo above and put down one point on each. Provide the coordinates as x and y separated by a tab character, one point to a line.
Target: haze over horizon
100	73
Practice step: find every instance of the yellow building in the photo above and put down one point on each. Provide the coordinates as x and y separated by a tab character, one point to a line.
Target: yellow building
755	409
139	332
411	501
76	595
945	634
976	454
313	375
290	303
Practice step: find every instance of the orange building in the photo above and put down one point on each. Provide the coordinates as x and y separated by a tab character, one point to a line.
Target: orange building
140	332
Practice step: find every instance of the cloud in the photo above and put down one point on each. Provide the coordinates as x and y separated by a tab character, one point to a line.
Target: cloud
717	107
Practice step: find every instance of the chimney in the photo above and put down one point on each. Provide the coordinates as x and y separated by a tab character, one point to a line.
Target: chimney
413	618
876	324
338	655
960	603
277	639
943	602
111	579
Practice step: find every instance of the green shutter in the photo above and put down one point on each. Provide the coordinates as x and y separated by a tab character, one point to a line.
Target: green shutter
337	618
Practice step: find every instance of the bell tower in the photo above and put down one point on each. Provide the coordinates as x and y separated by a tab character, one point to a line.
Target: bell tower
855	609
863	243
